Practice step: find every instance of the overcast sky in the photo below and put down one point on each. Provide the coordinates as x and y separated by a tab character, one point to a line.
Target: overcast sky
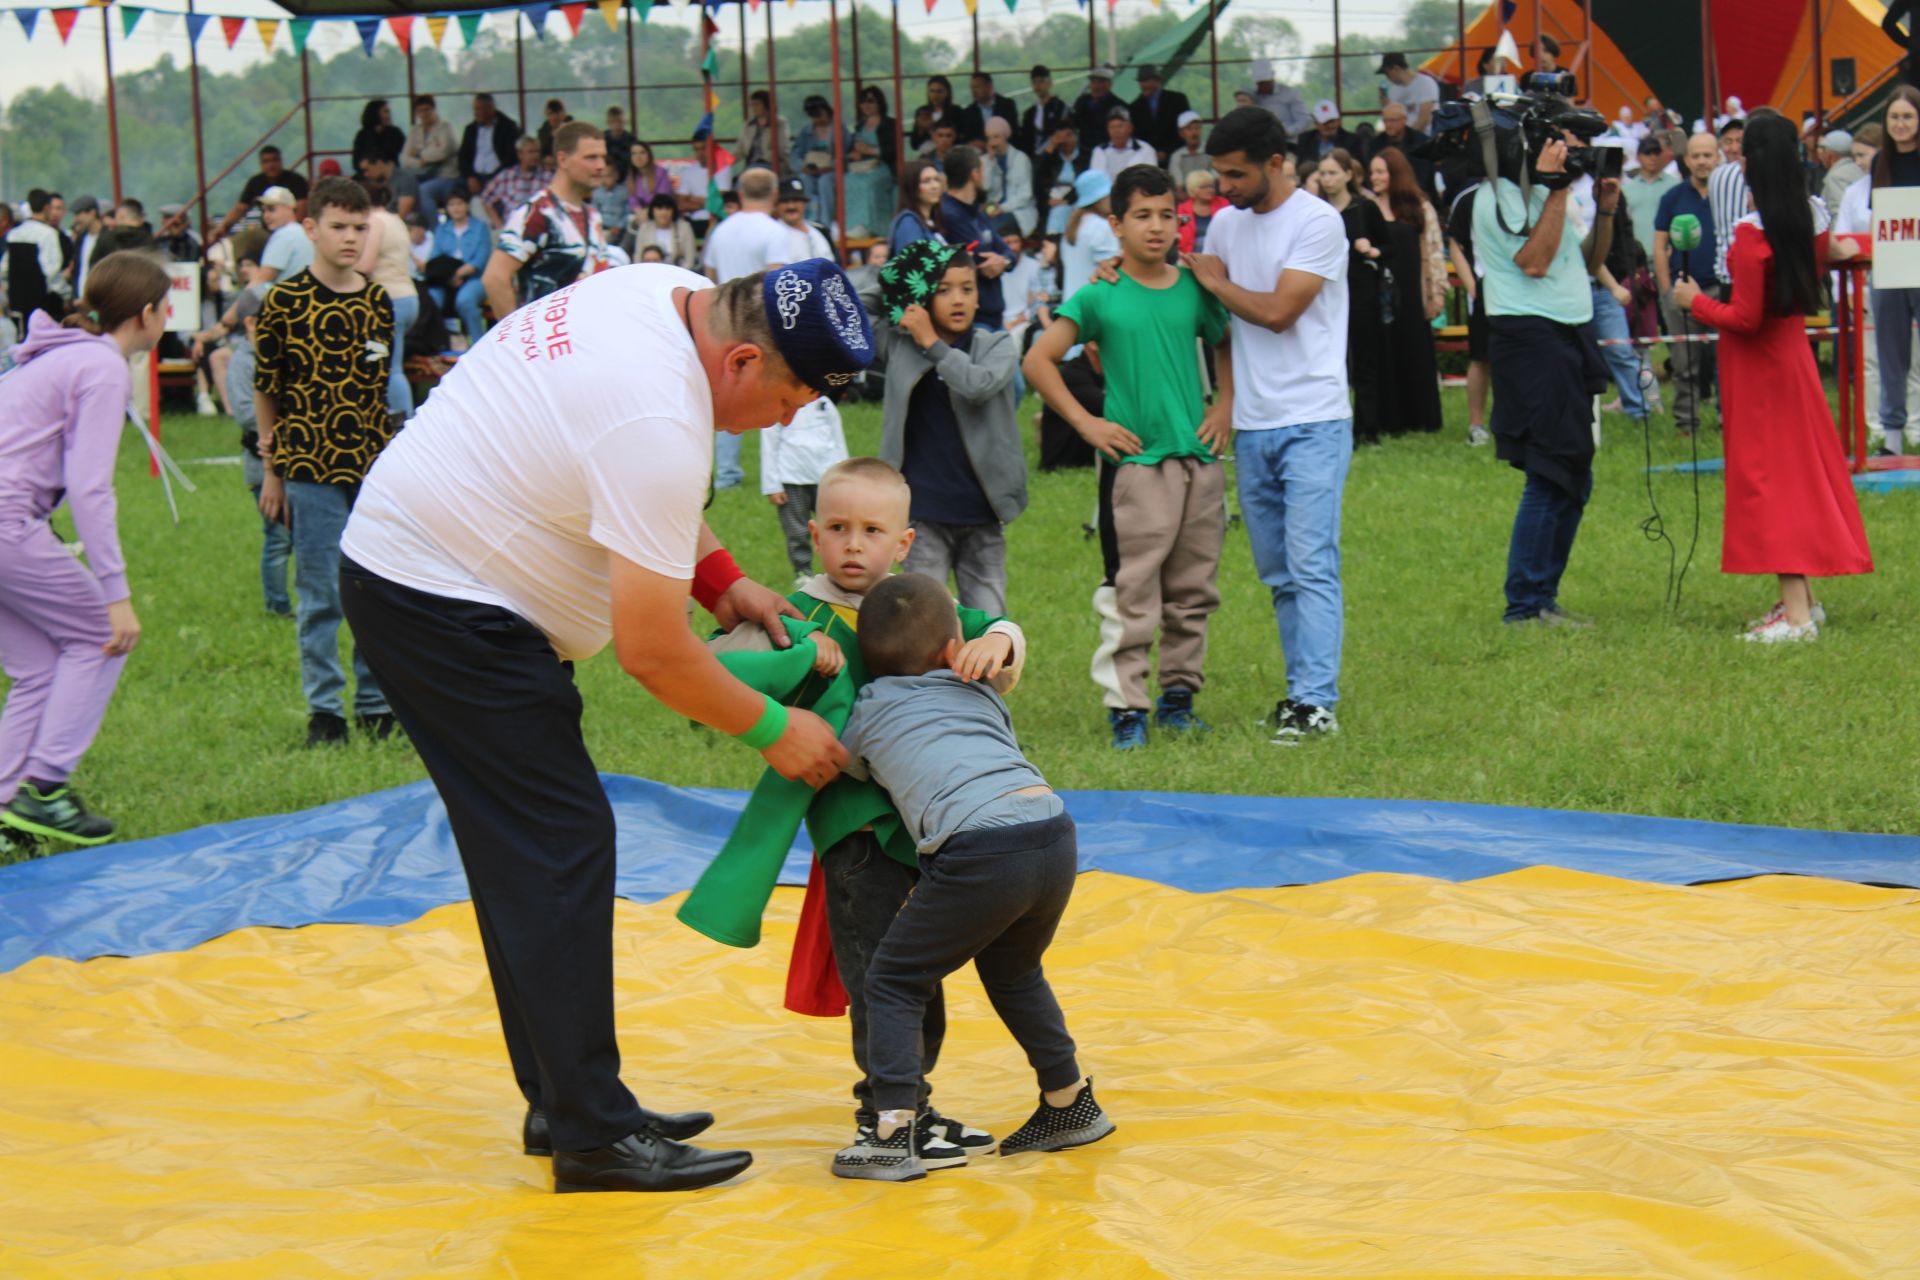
77	64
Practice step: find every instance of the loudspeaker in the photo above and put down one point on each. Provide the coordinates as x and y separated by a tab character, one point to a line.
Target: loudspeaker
1845	81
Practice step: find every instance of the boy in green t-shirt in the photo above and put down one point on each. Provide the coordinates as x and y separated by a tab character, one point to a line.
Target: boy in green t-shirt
868	862
1162	497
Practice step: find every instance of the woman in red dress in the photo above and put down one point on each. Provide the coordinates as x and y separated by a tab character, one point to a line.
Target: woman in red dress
1791	508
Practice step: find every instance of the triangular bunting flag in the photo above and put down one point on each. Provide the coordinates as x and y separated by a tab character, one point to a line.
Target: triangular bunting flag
161	22
610	10
369	29
231	28
129	19
63	20
573	14
645	9
196	23
436	28
401	25
28	17
469	28
537	16
972	5
930	4
793	4
300	29
710	65
713	100
707	24
754	5
267	27
1011	4
1112	5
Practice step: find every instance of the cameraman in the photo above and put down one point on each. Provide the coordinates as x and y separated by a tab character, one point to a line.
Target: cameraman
1545	371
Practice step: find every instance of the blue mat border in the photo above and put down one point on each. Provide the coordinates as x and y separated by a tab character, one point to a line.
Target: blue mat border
387	858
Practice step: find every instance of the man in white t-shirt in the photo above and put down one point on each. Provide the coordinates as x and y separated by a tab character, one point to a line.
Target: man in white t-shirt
742	244
545	501
1278	261
1415	90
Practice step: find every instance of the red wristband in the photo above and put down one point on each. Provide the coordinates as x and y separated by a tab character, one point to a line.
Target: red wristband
712	576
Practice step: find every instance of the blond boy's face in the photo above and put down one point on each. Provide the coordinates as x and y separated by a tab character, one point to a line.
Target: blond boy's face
860	530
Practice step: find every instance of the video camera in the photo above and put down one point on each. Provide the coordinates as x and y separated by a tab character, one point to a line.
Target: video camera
1521	125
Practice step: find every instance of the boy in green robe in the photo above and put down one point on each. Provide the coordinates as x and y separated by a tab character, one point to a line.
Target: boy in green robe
867	861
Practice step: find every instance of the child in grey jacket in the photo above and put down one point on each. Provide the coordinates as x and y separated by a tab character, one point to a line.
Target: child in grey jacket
949	421
998	856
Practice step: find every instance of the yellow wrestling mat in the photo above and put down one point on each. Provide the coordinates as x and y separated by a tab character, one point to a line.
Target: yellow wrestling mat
1543	1074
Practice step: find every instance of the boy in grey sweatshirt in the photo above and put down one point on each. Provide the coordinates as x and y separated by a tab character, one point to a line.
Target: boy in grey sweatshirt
997	860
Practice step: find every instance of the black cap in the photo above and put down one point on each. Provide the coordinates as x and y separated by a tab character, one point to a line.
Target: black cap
791	189
1391	60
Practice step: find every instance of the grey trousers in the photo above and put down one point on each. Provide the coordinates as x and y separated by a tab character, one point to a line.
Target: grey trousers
794	514
1689	358
975	554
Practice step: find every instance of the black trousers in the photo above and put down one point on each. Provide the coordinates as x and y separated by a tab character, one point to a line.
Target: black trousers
865	891
995	897
496	719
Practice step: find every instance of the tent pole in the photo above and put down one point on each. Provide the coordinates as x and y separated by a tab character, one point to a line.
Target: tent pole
633	94
113	112
1586	48
746	102
520	73
839	138
899	96
1819	68
1706	63
1213	56
199	140
408	51
1093	36
773	99
1338	101
976	37
858	83
306	101
1460	22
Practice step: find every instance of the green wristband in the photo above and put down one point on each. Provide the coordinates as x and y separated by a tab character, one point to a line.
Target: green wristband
767	729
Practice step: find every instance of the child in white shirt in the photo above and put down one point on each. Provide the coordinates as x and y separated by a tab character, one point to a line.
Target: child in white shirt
792	459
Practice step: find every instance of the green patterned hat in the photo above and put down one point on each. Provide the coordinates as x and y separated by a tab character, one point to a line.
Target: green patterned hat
912	276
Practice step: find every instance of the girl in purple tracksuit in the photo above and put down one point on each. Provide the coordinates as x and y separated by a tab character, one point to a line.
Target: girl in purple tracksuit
65	627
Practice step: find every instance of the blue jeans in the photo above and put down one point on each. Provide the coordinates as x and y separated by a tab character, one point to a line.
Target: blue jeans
276	544
819	188
466	304
1290	481
399	394
726	461
1543	530
433	193
319	513
1610	321
1894	313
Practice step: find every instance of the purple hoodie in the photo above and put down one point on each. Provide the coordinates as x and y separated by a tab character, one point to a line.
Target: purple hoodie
61	411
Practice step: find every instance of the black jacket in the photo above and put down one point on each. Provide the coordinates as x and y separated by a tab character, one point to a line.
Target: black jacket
1306	151
973	118
506	144
1161	130
384	141
1030	136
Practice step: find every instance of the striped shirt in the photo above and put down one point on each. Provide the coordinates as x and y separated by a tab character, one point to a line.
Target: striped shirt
1727	197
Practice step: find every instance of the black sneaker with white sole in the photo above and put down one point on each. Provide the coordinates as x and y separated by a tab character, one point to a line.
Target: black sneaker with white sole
879	1159
969	1140
1057	1128
1302	721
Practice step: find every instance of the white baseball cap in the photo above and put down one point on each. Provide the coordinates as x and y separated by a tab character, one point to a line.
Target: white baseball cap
278	195
1324	110
1187	118
1262	69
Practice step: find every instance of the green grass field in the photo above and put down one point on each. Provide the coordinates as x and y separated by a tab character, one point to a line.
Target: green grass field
1658	711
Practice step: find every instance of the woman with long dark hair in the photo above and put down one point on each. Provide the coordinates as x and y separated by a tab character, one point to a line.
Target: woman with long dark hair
1410	382
921	185
379	137
1791	509
66	628
1340	180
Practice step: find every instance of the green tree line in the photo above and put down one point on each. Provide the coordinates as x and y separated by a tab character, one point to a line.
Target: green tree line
56	138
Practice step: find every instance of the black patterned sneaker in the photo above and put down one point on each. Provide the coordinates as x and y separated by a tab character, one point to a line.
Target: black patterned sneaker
1174	710
56	812
16	846
1303	721
1057	1128
880	1159
969	1140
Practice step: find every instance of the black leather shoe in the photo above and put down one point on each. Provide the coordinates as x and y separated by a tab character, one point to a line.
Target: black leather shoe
645	1162
679	1126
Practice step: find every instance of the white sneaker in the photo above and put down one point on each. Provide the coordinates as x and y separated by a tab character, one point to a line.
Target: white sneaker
1779	614
204	406
1780	631
1478	435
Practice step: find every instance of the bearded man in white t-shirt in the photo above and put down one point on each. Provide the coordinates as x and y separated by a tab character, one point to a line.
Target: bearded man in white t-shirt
545	501
1278	261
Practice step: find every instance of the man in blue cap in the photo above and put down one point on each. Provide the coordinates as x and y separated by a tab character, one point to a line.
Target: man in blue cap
546	500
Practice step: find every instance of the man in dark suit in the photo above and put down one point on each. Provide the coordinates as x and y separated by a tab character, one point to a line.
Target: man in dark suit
1034	129
985	106
1326	135
487	145
1091	109
1157	112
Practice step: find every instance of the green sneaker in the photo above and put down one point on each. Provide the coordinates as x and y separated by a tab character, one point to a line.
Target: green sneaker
57	814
